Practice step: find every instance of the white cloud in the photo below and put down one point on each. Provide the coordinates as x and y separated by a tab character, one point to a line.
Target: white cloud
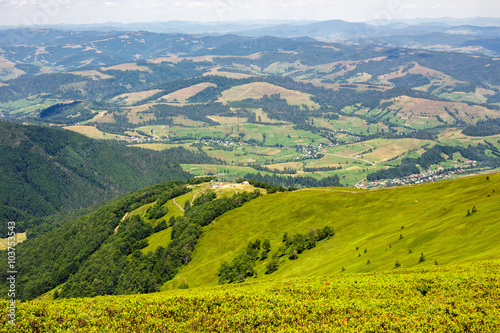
89	11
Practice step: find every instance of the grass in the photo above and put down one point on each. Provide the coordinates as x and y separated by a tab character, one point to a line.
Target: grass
161	238
93	132
231	171
457	298
27	105
258	90
182	95
20	237
433	217
133	97
351	124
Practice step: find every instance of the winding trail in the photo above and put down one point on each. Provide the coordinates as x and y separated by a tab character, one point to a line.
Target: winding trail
175	203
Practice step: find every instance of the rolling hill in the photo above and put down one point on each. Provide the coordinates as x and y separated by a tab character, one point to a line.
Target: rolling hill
448	222
395	259
381	227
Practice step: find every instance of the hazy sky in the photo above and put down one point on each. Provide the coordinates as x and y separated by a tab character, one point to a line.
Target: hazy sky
36	12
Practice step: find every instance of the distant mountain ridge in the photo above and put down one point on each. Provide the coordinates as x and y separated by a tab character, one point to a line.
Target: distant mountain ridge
388	32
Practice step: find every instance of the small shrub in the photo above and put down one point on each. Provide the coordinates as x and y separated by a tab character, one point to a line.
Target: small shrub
401	236
474	209
424	289
368	262
272	266
397	264
422	258
285	237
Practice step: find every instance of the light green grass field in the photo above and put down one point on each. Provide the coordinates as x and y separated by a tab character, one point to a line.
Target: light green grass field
161	238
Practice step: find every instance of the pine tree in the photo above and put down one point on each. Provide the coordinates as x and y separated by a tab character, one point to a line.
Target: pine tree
422	258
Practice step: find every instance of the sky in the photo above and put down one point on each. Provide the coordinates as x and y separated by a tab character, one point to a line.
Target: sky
47	12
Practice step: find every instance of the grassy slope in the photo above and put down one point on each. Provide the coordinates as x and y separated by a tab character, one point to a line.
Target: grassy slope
433	216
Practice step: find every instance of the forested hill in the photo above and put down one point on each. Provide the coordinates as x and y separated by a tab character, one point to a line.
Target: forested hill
46	170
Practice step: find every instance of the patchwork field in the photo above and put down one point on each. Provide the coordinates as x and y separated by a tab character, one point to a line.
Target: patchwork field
182	95
257	90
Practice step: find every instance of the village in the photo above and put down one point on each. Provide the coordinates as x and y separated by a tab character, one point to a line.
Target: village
440	173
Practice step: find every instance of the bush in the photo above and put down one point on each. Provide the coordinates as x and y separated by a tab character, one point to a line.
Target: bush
271	266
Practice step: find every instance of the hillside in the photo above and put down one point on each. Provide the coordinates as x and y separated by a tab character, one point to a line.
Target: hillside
175	234
129	245
44	171
363	277
373	230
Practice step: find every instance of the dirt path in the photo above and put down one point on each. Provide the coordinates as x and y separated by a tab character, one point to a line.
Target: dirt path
175	203
118	226
194	196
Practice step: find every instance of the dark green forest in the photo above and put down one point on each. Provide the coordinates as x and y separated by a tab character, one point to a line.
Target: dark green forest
44	171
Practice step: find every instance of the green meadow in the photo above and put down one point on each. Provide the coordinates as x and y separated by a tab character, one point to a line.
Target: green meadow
396	224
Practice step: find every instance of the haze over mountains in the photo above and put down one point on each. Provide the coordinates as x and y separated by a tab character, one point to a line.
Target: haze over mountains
470	35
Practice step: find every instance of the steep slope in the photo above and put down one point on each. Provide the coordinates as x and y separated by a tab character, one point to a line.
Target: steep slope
374	230
130	245
46	170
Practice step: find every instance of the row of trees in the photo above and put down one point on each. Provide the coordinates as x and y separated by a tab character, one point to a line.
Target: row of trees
293	182
110	272
243	265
